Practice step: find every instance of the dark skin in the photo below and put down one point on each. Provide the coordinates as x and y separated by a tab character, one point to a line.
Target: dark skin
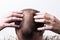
28	29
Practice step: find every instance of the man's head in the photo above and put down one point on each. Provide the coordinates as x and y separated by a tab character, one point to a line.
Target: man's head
28	25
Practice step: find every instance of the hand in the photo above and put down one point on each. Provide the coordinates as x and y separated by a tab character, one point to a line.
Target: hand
51	22
8	21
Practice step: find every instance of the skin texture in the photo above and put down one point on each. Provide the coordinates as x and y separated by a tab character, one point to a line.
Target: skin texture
9	19
51	21
28	28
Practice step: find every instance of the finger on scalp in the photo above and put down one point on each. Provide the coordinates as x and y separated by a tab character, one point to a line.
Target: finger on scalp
12	19
47	16
39	20
39	17
42	20
10	25
14	14
17	15
42	28
45	28
37	13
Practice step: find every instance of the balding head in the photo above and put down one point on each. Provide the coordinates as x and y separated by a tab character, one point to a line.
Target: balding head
28	25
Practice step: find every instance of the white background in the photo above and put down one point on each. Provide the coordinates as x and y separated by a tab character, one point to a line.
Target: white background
6	6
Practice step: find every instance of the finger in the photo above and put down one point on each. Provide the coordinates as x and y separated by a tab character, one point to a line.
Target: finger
39	14
13	19
16	14
42	20
20	12
45	28
39	17
10	25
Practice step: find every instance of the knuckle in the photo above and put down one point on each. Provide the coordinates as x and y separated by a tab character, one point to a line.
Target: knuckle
12	18
45	15
53	23
53	18
51	27
14	14
44	20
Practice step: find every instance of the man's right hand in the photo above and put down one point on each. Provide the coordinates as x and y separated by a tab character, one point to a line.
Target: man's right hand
7	22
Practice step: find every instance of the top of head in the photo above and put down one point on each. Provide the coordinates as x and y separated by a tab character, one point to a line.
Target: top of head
30	10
